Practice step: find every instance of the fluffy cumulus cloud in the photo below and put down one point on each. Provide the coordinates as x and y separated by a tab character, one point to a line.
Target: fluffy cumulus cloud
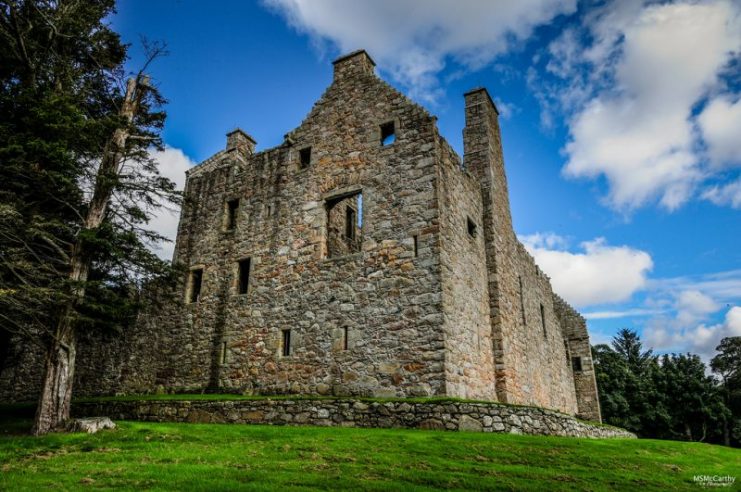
700	339
598	273
720	123
172	164
412	39
636	72
639	133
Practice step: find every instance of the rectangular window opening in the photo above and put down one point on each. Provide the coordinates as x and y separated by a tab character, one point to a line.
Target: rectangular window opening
522	301
286	348
345	339
232	209
196	278
223	352
304	157
388	133
344	225
350	223
243	280
542	320
472	228
415	238
576	364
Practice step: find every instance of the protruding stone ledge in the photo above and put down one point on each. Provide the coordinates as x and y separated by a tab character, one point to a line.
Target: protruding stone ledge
443	415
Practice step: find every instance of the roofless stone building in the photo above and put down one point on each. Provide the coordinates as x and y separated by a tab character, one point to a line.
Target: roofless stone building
361	256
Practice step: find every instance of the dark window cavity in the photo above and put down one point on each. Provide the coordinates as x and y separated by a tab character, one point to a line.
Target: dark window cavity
350	223
416	245
388	133
286	346
194	290
243	280
576	364
471	225
542	320
232	209
304	157
344	224
345	338
522	301
223	352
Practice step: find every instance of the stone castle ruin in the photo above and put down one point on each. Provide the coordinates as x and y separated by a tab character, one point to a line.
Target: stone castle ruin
362	256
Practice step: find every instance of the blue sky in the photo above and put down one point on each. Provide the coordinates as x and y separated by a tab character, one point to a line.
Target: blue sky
621	125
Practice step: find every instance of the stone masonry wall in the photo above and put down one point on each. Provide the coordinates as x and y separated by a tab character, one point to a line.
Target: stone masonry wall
577	343
469	360
530	359
434	295
384	299
443	415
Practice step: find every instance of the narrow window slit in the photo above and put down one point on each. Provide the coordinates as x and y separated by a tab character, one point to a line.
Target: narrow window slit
243	280
576	364
415	238
345	338
232	209
522	301
542	320
196	279
286	343
471	225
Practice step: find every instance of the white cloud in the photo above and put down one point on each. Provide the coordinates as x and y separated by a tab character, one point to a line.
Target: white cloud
693	306
727	194
625	313
700	339
600	274
638	133
413	39
172	164
720	123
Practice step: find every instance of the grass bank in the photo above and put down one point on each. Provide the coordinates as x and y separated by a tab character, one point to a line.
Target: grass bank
153	456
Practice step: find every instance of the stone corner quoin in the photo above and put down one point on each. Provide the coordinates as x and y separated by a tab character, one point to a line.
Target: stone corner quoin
361	257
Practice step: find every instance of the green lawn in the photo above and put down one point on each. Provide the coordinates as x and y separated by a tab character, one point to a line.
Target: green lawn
153	456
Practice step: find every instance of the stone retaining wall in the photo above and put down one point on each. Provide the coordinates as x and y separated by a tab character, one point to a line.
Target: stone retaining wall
447	415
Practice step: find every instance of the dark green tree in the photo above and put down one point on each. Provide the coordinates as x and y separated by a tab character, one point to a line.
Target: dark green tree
77	185
668	397
727	365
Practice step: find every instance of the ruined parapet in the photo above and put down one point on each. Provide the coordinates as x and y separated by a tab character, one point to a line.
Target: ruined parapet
579	352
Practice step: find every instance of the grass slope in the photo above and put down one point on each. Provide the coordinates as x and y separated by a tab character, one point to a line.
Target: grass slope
153	456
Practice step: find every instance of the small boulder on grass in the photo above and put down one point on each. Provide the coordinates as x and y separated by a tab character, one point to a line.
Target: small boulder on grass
90	425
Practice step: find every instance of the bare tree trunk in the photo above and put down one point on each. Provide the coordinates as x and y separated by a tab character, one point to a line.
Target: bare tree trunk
59	366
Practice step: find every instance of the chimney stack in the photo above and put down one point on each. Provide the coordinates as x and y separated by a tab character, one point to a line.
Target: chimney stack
241	142
357	63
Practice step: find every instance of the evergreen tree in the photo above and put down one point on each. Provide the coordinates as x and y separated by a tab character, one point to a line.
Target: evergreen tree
727	364
77	185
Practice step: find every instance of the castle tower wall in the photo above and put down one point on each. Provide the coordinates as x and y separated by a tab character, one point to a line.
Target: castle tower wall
469	359
528	349
360	256
364	314
576	339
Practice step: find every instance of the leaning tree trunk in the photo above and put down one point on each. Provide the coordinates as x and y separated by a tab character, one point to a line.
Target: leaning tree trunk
59	365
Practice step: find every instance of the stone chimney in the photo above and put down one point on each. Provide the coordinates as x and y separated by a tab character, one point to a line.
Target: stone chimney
241	142
357	63
482	153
